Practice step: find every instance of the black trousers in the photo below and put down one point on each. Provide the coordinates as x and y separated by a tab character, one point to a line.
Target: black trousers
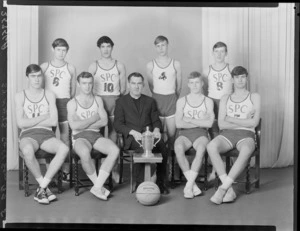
161	168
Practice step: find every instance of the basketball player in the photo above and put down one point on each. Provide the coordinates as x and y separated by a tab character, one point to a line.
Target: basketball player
60	79
164	79
238	116
36	114
86	116
194	114
110	82
219	84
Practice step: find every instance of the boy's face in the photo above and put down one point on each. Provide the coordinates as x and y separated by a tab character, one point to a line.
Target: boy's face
162	48
35	79
60	53
219	54
240	81
86	85
195	85
106	50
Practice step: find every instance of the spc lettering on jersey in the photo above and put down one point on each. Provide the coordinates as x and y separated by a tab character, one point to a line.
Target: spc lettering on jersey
35	110
219	82
56	74
108	80
237	109
194	112
87	114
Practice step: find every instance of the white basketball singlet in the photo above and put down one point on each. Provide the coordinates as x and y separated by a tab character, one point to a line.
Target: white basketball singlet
85	113
57	80
107	82
240	109
35	109
219	82
164	79
195	112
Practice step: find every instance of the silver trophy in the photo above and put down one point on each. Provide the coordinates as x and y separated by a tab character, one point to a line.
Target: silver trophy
148	143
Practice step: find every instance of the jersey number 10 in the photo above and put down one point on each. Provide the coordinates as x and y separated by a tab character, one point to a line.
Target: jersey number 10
108	87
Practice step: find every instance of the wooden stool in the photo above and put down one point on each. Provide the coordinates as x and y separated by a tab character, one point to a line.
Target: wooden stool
139	158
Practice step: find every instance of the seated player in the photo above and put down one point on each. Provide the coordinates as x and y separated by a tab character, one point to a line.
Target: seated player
134	112
36	114
194	114
86	115
239	114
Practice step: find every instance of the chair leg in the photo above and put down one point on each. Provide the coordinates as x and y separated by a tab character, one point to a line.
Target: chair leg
257	171
205	171
173	169
59	181
71	171
131	173
121	167
21	169
110	182
26	184
217	181
76	178
227	164
248	178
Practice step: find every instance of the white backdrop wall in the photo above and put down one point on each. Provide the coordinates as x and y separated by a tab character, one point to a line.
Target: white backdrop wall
261	39
133	30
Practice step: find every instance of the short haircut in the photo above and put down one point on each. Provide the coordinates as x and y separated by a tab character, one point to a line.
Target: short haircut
135	74
105	39
194	75
60	42
239	70
160	38
32	68
85	75
220	44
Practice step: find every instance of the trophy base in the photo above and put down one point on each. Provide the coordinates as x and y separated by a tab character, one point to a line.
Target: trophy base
148	154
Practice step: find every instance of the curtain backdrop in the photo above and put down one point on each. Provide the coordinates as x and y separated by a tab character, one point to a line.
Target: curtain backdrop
260	39
22	50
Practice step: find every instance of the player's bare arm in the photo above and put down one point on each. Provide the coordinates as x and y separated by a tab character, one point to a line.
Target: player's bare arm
75	122
53	118
149	75
251	121
179	117
23	121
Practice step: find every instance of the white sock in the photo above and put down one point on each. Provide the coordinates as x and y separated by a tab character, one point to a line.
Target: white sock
223	177
45	182
40	179
93	177
101	178
227	183
193	177
187	175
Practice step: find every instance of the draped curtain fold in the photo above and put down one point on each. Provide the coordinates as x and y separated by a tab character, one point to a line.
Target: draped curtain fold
260	39
22	50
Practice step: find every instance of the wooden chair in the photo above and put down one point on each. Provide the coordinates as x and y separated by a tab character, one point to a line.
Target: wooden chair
74	170
125	155
43	157
256	154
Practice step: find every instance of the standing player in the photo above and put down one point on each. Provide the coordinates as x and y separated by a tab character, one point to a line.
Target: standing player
36	114
239	115
86	116
194	114
60	79
164	79
219	83
109	83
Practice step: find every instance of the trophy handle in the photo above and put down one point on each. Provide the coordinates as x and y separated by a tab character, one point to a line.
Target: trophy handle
138	142
157	142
